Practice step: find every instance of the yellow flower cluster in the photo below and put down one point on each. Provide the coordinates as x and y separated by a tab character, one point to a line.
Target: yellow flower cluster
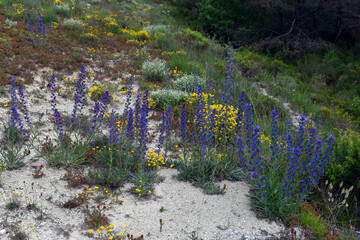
90	32
176	73
193	98
141	35
152	103
224	116
264	138
91	90
154	160
19	8
4	103
107	232
181	52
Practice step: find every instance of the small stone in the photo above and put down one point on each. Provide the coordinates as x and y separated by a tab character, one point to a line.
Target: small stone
222	227
42	224
2	232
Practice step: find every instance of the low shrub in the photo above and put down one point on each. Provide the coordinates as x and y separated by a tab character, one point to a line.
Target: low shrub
72	24
168	97
154	70
153	30
189	83
346	165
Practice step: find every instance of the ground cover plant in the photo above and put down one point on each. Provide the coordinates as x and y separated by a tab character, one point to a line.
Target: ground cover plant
164	96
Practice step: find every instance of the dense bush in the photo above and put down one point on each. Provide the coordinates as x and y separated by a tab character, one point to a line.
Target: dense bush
346	165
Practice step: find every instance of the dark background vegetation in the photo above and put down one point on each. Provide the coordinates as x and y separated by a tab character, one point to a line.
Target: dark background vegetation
294	25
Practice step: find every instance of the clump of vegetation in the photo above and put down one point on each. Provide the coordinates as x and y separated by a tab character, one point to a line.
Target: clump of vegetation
154	70
72	24
189	83
168	97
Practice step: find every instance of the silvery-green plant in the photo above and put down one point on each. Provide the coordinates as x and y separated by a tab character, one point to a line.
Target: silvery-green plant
168	97
155	29
10	23
62	9
72	23
154	70
189	83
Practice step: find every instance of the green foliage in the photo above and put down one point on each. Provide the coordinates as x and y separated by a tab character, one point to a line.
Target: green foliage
270	204
346	165
13	149
206	169
194	39
68	152
309	219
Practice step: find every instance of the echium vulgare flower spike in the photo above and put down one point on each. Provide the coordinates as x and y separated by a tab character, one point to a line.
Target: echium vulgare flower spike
316	162
240	111
96	111
274	136
79	98
241	154
99	110
162	131
310	144
183	122
50	26
15	120
128	95
43	30
229	79
129	125
301	132
328	151
143	126
39	25
137	112
113	133
248	122
255	157
199	116
56	114
24	107
31	26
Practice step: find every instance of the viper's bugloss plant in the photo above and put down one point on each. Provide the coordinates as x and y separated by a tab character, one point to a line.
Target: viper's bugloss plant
14	145
80	95
128	95
228	92
56	115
